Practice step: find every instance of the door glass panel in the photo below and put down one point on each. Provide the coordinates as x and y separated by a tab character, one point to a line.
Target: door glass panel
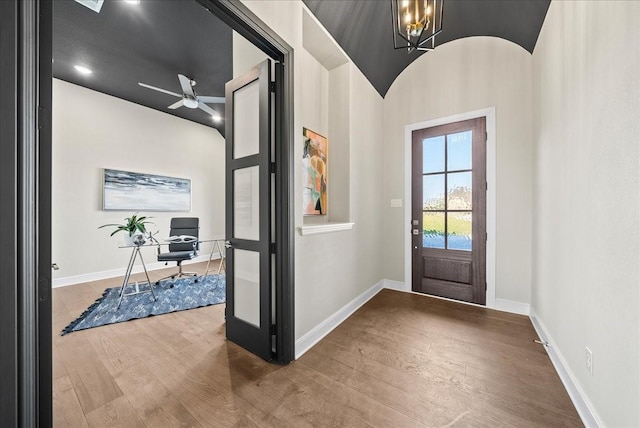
459	151
246	124
246	203
459	231
246	286
433	192
459	191
433	154
433	229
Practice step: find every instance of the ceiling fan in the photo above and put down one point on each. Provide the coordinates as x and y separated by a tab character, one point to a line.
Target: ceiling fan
189	98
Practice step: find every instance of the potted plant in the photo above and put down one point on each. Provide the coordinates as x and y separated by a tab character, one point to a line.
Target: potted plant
136	229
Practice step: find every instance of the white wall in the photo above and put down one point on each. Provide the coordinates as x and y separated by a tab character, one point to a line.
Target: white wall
92	131
586	257
334	268
340	144
245	55
462	76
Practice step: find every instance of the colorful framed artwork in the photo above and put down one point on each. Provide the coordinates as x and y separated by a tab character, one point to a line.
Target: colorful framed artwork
314	173
133	191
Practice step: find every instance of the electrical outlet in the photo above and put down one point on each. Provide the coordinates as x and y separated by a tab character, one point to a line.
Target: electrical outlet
588	355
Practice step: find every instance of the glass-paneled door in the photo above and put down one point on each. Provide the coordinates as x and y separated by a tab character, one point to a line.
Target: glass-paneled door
248	210
448	210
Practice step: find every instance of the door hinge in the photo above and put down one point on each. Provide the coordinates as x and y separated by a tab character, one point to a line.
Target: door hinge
274	342
486	185
272	87
485	286
43	118
486	137
486	236
272	248
272	167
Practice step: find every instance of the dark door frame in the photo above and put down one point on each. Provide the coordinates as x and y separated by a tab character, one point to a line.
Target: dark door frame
25	213
9	28
25	200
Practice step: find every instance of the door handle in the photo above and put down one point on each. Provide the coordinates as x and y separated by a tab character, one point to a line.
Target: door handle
227	244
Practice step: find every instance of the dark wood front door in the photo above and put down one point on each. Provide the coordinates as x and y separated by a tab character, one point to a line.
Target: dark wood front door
448	223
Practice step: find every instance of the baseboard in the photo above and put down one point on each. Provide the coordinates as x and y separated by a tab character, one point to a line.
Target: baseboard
512	306
97	276
325	327
395	285
501	304
585	409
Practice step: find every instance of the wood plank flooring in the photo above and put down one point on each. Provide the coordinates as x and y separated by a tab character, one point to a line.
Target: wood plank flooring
402	360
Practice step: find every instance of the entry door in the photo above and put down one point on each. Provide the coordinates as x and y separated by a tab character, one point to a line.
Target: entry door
248	210
449	210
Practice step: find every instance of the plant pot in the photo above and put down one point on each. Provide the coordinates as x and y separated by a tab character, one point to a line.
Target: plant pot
137	238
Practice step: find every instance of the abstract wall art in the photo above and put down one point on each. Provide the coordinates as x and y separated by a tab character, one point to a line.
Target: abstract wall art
314	173
133	191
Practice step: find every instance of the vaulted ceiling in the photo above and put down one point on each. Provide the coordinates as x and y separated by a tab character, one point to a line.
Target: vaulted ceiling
152	42
364	29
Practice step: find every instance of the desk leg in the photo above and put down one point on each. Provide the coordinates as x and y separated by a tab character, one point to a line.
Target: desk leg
127	275
223	259
214	245
147	275
206	272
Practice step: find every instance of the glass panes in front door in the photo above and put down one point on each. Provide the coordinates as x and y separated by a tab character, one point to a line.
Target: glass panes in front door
447	191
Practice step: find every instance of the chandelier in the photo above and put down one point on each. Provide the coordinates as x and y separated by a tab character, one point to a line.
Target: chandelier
416	24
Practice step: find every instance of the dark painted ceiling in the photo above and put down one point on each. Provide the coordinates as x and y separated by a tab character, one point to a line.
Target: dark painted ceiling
150	43
363	29
155	40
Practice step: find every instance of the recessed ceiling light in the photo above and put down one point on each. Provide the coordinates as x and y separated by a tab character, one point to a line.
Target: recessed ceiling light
216	118
132	1
82	70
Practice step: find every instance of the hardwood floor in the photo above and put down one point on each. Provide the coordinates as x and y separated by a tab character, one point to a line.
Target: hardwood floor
402	360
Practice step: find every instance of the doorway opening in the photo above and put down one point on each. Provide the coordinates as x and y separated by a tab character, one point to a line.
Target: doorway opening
33	361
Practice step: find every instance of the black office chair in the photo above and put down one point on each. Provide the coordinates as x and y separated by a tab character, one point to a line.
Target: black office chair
181	249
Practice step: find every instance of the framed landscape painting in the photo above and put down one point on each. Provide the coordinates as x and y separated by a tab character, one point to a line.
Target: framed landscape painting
314	173
133	191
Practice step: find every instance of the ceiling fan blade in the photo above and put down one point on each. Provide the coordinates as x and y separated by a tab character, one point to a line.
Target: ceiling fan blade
212	100
208	109
185	84
160	90
176	105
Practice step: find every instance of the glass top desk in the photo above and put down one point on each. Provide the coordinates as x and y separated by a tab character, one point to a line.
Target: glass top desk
216	244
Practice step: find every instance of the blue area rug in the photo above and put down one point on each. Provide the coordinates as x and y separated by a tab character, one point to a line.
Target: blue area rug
185	294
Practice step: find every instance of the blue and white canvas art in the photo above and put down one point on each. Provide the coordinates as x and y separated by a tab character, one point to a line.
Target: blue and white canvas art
133	191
